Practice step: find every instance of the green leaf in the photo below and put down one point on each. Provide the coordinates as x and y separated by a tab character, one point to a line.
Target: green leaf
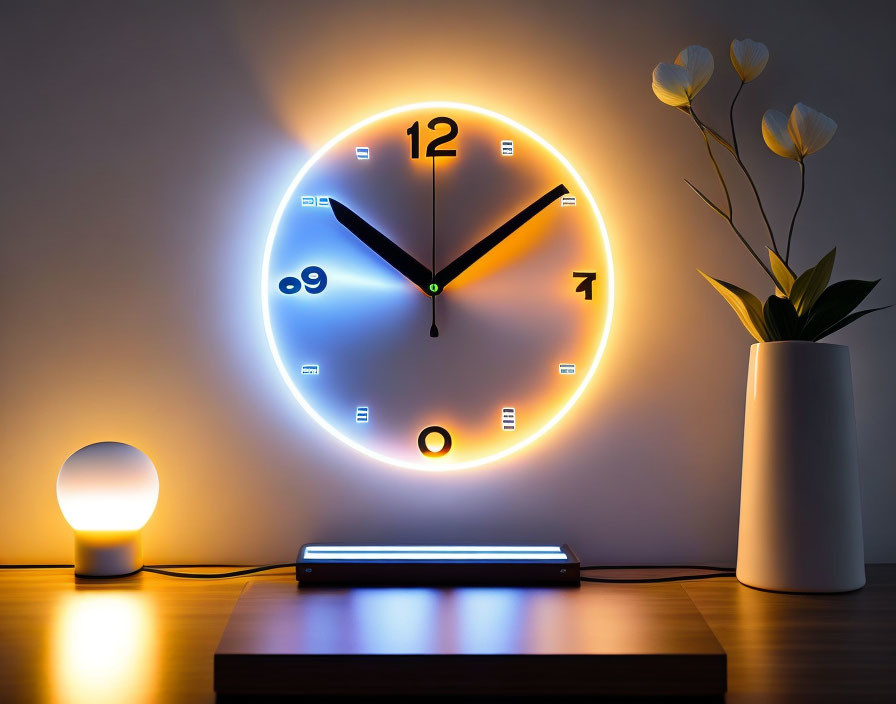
809	285
837	302
781	319
745	304
783	274
849	319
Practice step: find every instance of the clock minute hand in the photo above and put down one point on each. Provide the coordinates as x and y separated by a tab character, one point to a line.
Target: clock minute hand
394	255
478	250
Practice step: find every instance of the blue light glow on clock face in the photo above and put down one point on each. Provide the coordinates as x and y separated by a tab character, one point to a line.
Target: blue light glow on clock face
425	288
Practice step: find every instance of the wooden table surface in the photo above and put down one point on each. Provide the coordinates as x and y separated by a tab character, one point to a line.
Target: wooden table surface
621	639
149	638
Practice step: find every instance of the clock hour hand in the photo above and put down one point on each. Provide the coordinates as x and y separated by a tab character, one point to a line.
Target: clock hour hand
485	245
394	255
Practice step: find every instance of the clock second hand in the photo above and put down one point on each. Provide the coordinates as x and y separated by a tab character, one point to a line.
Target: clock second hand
433	330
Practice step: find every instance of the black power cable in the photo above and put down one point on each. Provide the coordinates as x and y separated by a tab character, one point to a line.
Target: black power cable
714	572
217	575
656	580
710	568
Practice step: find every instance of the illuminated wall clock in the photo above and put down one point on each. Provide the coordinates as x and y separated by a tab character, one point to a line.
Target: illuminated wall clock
437	286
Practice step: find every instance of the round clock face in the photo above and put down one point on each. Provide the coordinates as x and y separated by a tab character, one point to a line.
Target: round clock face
437	286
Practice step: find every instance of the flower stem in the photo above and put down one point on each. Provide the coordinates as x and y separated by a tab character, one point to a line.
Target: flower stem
798	204
714	163
731	120
752	251
743	168
759	202
729	215
721	213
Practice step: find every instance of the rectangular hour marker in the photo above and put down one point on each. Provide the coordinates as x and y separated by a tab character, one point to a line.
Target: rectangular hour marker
362	414
310	369
308	200
567	201
362	152
323	202
508	419
567	368
506	147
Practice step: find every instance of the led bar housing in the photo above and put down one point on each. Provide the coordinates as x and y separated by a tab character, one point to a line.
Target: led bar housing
324	564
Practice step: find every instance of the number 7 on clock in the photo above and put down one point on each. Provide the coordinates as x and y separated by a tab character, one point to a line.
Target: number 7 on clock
587	284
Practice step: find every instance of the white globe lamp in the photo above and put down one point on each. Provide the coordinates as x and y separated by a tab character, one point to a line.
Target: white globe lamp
107	492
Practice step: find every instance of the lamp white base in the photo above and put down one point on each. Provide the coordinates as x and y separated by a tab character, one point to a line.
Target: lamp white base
107	553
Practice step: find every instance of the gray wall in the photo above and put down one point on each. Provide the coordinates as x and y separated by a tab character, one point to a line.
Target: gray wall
144	148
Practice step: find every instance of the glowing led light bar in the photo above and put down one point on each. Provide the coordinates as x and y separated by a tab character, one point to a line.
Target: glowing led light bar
433	548
355	556
355	553
331	565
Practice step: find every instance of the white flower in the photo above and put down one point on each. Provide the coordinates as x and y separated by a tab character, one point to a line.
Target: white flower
748	58
698	61
677	84
803	133
810	129
671	84
776	136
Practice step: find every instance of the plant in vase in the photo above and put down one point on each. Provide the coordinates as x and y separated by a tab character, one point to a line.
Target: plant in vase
800	521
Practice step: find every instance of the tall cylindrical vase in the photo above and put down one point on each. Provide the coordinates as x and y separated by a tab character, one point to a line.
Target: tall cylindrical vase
800	511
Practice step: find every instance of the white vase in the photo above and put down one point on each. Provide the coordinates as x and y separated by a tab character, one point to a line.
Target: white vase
800	511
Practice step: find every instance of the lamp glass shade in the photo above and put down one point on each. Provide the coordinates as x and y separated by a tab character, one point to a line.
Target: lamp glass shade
107	486
107	492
